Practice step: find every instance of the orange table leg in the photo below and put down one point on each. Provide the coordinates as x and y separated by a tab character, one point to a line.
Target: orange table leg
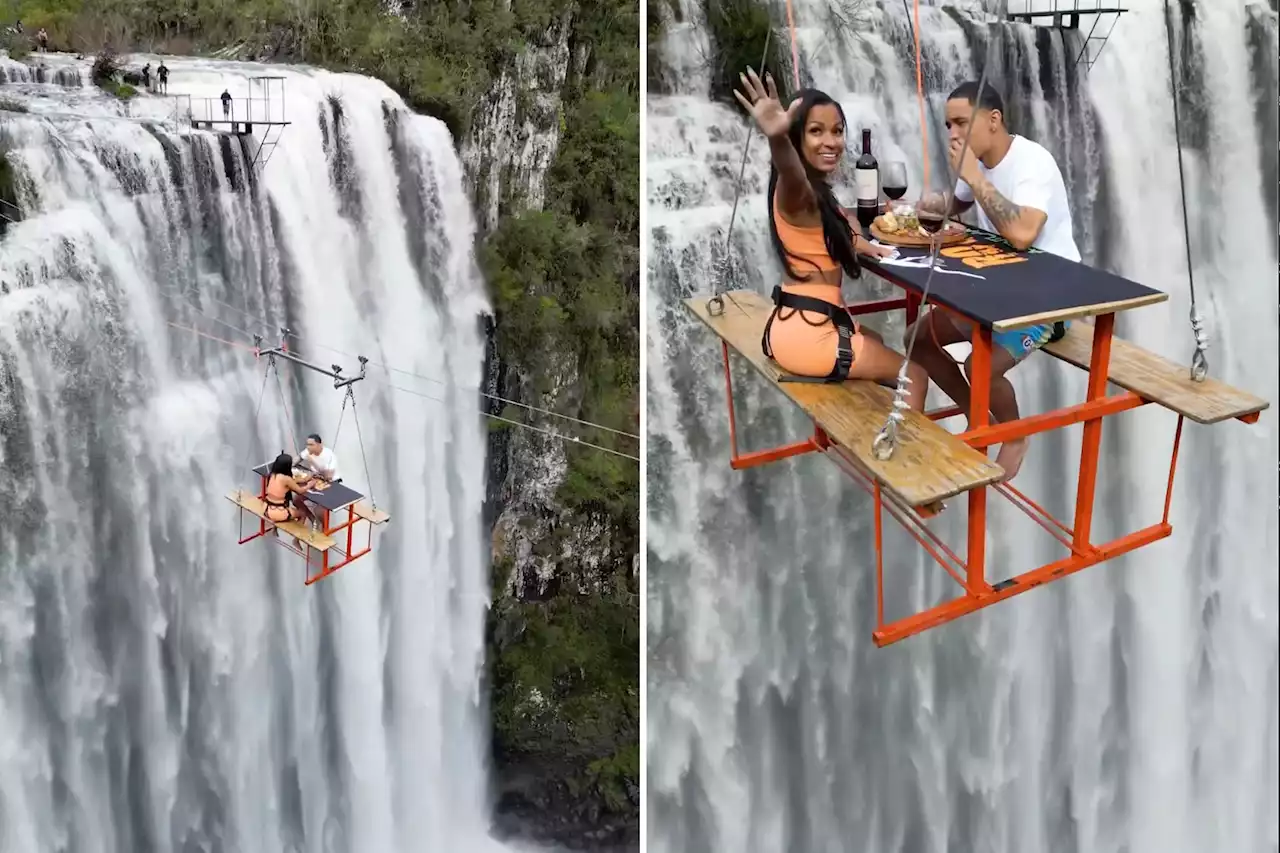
728	387
979	403
1099	364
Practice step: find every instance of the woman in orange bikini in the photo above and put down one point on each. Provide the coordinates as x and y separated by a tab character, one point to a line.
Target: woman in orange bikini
809	332
281	487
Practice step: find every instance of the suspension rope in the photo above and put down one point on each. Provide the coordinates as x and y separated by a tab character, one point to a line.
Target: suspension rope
1199	361
363	458
715	305
288	418
262	391
338	429
886	440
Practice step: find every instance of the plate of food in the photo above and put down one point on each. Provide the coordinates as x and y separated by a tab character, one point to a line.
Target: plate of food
902	227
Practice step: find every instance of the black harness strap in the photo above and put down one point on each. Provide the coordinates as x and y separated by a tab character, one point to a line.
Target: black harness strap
837	315
1059	332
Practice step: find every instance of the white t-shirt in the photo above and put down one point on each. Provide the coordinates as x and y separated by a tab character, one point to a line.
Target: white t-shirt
1029	177
325	460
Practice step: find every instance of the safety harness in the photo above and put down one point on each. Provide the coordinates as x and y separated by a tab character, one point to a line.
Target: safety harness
838	316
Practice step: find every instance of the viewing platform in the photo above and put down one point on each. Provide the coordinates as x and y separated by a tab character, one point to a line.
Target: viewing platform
1099	16
263	109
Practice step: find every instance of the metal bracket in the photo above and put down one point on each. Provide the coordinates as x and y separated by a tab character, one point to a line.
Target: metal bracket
339	381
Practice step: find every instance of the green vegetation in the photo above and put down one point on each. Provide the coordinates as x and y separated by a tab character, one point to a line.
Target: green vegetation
566	688
106	72
565	282
440	56
738	31
15	45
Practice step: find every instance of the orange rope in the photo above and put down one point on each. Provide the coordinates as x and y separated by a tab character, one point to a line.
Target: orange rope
924	132
213	337
795	52
924	127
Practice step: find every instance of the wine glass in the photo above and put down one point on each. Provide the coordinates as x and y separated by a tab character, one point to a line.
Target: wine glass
894	181
931	216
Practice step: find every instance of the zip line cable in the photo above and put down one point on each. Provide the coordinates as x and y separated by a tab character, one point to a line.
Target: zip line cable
389	368
548	432
552	433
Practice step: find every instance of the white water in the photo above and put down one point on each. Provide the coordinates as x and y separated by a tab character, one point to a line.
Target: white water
1131	708
161	688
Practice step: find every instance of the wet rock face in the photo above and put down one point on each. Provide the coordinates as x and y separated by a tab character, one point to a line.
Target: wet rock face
533	799
516	131
563	736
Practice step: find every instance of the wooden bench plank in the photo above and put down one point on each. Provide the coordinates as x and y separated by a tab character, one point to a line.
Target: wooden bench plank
1158	379
369	514
1064	314
929	465
252	503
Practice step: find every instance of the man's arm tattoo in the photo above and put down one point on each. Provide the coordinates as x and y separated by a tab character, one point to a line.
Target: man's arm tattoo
999	209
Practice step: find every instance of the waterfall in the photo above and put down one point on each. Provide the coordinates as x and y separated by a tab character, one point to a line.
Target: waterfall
1129	709
161	687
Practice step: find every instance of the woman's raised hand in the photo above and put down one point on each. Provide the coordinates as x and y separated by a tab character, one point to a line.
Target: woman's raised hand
764	105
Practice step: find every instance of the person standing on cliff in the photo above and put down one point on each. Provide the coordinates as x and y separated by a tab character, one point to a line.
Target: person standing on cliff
162	75
42	39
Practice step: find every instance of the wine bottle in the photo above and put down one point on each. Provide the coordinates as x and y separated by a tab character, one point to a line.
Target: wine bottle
867	177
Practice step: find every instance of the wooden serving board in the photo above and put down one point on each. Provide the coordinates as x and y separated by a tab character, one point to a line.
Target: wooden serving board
955	233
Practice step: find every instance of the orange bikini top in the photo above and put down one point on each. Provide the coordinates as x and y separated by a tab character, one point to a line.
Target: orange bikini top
807	244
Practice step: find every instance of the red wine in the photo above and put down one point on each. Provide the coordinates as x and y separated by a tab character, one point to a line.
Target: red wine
867	176
929	221
894	193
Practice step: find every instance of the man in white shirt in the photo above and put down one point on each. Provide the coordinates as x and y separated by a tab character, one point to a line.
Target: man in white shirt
1020	195
322	461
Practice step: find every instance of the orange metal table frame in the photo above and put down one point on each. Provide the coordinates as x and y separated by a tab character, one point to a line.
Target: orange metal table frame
325	564
970	573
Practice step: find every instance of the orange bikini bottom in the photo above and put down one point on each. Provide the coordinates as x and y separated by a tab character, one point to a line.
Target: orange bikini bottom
809	342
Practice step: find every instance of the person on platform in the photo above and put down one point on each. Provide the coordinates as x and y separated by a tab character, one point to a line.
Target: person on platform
810	333
162	75
281	488
1020	195
320	460
226	103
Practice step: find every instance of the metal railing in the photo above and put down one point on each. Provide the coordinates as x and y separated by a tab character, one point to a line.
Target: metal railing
1061	7
253	110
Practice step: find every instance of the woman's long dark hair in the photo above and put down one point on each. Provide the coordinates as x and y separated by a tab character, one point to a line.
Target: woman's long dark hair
283	464
836	231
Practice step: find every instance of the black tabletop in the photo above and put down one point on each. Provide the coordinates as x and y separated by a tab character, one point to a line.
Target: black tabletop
336	496
988	281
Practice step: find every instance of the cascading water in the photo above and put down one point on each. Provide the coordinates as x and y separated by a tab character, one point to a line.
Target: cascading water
161	688
1130	708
